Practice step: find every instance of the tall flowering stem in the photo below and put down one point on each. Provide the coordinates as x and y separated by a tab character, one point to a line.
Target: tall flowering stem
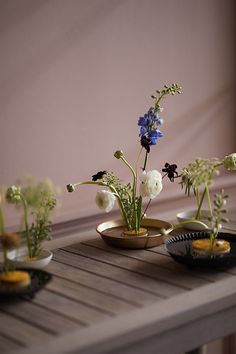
39	200
15	196
130	203
150	122
199	174
135	224
27	230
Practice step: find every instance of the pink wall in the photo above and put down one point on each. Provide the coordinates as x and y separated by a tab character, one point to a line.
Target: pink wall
76	75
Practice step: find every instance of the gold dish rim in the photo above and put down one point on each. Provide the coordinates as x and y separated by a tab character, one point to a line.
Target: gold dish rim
155	223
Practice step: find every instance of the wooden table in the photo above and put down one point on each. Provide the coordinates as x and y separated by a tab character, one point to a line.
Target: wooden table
105	300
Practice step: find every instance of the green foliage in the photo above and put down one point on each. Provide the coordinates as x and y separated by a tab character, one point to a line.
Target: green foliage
218	215
199	173
160	94
38	200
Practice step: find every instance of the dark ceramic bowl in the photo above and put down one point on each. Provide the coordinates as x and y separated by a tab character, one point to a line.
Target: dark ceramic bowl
180	248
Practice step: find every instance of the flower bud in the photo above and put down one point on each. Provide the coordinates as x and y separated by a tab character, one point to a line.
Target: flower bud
70	188
229	162
118	154
13	194
10	240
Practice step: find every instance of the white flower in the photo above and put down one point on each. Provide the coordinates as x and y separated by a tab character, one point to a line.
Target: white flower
230	162
151	184
105	200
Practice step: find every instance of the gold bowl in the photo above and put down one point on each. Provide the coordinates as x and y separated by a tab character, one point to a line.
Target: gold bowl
112	232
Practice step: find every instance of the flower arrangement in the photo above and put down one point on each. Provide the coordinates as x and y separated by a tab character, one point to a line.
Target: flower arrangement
38	200
198	175
128	196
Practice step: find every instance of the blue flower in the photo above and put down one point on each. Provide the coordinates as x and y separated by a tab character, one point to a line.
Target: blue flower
143	131
143	121
150	121
148	129
153	135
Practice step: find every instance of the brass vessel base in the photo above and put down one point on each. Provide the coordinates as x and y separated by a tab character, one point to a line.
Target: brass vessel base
113	233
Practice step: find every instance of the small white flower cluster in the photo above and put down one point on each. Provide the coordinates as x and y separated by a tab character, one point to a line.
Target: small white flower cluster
150	186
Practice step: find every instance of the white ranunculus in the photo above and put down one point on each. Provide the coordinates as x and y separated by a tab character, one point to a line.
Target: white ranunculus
151	184
105	200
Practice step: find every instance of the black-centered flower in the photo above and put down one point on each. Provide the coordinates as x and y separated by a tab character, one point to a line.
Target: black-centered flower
170	171
99	175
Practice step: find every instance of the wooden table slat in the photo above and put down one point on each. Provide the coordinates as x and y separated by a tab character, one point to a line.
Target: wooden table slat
14	327
31	313
139	266
150	256
105	300
8	344
90	296
116	273
71	309
119	290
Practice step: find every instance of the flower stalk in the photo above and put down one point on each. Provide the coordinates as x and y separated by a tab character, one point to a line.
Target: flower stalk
129	201
200	174
27	230
39	200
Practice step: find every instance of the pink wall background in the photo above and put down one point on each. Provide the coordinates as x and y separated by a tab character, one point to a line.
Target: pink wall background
75	76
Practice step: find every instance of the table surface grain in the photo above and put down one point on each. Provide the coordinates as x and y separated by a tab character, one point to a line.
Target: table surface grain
107	300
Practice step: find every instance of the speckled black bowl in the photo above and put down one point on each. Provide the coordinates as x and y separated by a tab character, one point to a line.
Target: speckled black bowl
38	279
180	248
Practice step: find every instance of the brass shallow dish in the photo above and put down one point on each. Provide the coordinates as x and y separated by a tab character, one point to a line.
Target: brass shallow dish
112	233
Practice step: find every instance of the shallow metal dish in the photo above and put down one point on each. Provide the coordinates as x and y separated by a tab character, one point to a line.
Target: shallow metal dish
112	233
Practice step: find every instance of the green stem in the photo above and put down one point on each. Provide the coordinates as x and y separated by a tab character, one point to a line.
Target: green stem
197	222
122	209
198	214
197	196
135	222
208	199
2	228
5	260
147	206
136	165
27	231
159	99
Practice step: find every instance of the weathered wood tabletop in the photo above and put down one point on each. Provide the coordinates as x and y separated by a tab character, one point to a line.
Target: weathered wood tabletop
106	300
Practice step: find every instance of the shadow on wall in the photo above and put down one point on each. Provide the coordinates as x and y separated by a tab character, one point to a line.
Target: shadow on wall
31	65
